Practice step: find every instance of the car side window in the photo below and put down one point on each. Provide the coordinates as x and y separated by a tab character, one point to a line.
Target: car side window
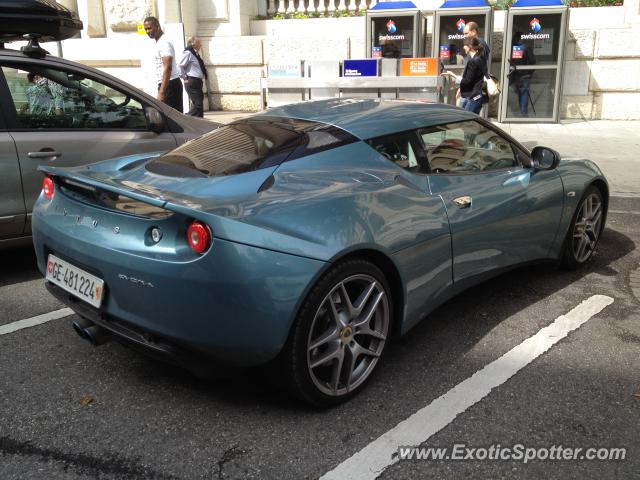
46	98
466	146
400	150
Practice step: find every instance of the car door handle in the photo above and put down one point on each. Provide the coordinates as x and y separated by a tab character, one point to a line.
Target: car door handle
50	154
463	202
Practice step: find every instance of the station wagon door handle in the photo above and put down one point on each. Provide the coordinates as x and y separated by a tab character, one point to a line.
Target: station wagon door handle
45	153
463	202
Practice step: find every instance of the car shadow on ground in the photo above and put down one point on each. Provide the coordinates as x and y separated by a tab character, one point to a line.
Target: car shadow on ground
447	333
18	265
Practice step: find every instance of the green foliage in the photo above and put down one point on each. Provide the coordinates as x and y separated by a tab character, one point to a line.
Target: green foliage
593	3
505	4
305	15
500	4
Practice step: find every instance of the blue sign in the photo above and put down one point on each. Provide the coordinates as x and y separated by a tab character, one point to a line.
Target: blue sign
360	68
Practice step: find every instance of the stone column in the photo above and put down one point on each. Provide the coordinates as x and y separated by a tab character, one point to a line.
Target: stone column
169	11
632	12
189	14
70	4
95	24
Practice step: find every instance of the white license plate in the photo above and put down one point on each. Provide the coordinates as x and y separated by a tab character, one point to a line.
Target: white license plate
75	280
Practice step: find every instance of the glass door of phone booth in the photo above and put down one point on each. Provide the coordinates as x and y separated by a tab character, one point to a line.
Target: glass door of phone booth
451	21
449	27
394	30
533	54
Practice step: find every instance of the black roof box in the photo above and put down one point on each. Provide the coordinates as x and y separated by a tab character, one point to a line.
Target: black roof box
46	18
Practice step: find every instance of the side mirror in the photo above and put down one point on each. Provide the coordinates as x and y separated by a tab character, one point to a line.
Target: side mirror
155	120
545	158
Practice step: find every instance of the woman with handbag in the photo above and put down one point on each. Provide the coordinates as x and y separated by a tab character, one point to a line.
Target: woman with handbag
472	79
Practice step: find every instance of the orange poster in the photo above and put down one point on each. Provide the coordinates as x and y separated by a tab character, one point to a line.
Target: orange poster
418	67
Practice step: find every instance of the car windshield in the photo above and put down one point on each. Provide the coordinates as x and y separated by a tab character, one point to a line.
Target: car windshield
247	145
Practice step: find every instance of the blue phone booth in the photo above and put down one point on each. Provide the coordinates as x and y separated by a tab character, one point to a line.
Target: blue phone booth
449	26
532	61
395	30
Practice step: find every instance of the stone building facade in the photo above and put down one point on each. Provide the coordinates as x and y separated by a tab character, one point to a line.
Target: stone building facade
602	61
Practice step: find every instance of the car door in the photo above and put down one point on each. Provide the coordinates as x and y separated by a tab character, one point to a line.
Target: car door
425	255
62	117
12	210
501	211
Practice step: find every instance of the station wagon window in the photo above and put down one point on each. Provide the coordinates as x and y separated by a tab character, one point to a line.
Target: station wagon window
46	98
466	147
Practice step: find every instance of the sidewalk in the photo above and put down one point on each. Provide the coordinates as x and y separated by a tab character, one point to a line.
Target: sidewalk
613	144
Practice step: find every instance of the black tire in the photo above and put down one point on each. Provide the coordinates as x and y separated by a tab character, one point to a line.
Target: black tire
585	230
297	358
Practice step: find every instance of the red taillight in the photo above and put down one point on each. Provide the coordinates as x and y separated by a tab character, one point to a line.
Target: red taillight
199	237
48	187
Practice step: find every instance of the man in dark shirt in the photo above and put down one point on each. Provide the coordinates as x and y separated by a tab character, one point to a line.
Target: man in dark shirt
471	30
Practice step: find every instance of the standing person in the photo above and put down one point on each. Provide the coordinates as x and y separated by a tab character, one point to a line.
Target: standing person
169	85
45	97
471	31
472	79
519	79
193	73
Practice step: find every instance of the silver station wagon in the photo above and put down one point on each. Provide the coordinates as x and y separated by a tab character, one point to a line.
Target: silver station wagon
60	113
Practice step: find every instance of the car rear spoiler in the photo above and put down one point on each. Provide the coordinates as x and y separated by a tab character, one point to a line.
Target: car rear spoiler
142	194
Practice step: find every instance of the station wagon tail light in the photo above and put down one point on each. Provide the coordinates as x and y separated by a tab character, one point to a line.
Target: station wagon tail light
199	237
48	187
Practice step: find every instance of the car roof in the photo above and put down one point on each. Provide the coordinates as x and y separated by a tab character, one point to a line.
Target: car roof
369	118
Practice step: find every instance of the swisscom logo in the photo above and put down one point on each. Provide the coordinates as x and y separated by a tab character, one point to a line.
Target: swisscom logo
391	26
392	29
460	27
535	28
535	25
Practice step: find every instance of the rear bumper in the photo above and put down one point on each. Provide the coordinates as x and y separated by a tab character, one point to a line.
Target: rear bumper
164	349
235	304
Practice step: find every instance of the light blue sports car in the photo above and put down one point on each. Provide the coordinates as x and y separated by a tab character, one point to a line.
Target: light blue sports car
306	236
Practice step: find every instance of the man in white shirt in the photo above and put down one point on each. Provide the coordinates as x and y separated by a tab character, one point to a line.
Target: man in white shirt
167	78
193	72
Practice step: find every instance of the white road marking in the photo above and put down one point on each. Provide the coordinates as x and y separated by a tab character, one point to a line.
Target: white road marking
373	459
33	321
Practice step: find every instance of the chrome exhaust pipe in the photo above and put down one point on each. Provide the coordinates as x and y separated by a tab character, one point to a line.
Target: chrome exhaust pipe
91	332
97	335
80	325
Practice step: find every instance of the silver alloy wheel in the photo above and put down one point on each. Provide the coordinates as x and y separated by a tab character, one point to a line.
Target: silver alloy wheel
348	334
587	228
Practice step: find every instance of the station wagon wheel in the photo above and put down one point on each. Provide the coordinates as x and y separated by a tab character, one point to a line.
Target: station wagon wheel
585	230
340	334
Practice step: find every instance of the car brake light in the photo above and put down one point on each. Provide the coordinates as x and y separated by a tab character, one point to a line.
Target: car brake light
48	188
199	237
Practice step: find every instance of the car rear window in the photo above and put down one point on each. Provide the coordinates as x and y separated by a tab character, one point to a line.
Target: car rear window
247	145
